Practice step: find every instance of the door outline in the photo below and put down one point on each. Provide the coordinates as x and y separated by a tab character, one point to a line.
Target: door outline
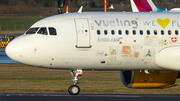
81	31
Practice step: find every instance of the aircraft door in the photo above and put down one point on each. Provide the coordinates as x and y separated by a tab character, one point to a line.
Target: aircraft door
82	33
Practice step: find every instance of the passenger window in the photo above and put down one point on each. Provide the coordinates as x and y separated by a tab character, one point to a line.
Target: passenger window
120	32
112	32
105	32
148	32
52	31
141	32
169	32
176	32
155	32
43	31
162	32
98	32
134	32
127	32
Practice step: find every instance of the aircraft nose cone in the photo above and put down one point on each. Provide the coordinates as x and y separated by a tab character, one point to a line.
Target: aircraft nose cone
14	50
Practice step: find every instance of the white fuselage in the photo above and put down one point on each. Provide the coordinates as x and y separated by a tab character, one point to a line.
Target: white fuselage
77	44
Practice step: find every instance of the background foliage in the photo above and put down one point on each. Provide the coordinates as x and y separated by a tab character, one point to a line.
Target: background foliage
49	7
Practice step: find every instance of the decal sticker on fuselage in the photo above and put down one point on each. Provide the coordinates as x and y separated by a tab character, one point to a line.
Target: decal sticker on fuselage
173	40
150	40
143	61
114	50
163	42
99	53
133	51
149	53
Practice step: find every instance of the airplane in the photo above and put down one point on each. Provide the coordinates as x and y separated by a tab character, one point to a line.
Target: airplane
148	6
143	46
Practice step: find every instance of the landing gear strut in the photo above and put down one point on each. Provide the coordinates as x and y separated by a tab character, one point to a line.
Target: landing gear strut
74	89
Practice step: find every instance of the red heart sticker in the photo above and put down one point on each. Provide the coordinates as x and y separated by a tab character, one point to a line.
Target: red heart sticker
174	39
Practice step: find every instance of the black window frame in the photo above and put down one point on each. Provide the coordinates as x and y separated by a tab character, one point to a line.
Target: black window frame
155	32
141	32
98	32
134	32
148	32
169	32
127	32
176	32
119	32
162	32
112	32
105	32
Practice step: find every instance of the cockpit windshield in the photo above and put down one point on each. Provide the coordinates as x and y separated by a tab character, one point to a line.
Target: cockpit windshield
43	31
32	30
52	31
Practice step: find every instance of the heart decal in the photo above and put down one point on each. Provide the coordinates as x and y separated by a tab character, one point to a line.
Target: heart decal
174	39
163	23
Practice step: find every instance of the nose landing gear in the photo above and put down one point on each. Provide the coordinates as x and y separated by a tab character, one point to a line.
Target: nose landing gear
74	89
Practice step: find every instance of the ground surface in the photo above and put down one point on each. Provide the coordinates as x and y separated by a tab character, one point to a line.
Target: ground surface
26	79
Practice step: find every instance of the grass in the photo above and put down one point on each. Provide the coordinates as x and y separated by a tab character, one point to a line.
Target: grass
18	78
19	20
17	23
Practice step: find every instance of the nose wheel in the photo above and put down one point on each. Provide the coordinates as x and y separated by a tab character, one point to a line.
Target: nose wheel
76	74
74	90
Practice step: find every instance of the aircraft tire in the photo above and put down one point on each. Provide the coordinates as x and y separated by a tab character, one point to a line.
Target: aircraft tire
74	90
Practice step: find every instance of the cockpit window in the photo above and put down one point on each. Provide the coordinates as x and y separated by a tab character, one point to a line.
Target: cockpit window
32	30
43	31
52	31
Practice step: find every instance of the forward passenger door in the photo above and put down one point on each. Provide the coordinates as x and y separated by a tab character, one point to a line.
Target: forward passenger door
83	39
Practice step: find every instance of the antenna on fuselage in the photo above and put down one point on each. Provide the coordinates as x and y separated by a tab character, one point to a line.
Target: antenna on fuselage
80	10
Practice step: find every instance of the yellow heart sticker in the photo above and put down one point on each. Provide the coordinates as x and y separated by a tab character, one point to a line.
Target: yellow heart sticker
163	23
